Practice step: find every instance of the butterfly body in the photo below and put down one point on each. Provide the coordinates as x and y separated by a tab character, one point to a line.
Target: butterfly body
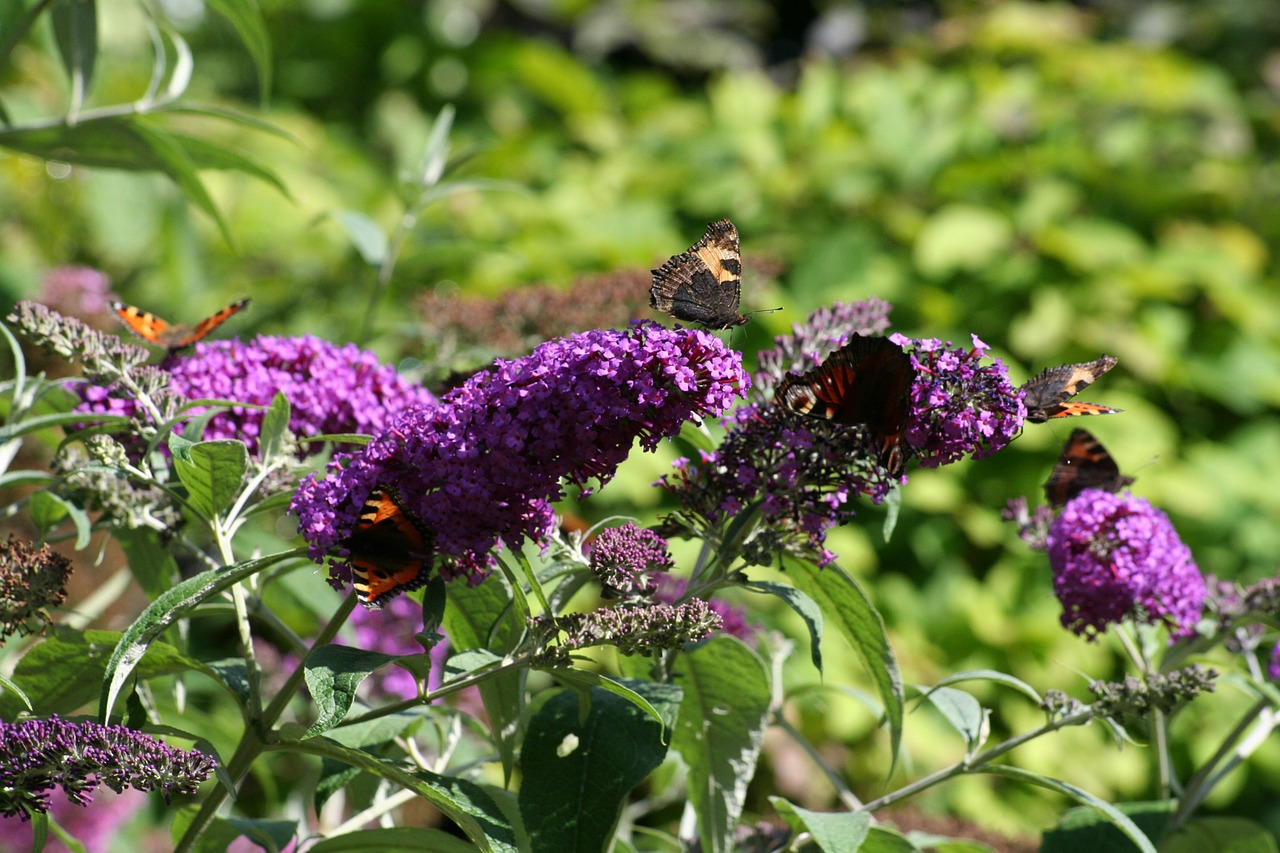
154	330
704	284
1084	464
866	382
389	550
1049	394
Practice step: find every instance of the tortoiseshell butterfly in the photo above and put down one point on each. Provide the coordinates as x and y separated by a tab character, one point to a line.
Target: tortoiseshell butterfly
389	550
866	382
156	331
1046	395
704	284
1084	464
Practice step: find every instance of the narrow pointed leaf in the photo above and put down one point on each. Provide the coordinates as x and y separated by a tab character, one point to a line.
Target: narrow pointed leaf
246	17
274	424
1113	814
805	607
333	673
75	29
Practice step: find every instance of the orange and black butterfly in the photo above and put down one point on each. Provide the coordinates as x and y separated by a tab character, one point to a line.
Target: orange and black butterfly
1084	464
1046	396
866	382
389	550
704	284
172	337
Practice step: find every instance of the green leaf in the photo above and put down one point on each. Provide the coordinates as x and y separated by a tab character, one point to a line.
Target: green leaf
961	237
965	714
883	840
212	471
46	506
992	675
578	773
834	832
892	506
1111	813
246	17
333	673
1086	829
410	839
843	599
11	687
366	235
75	29
164	612
171	158
150	562
274	424
1220	835
27	425
722	720
59	675
804	606
635	691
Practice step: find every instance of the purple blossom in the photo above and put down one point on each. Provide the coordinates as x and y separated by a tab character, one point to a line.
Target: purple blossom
733	617
331	388
37	755
822	332
958	405
1115	556
484	465
94	827
1273	664
76	291
626	558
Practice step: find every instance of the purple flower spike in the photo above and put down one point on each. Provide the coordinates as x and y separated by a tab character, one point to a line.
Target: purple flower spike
1116	556
958	406
625	558
484	464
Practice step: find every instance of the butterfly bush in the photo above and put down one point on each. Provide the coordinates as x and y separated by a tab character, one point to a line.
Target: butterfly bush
958	405
485	464
38	755
822	333
1115	556
627	558
331	388
32	581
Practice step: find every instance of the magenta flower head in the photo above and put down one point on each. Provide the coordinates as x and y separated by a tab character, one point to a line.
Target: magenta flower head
484	465
958	405
627	558
331	388
1115	556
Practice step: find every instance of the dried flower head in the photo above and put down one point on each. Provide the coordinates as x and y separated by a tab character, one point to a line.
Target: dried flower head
32	580
36	755
625	559
1165	692
1115	557
733	618
484	465
959	406
635	628
105	357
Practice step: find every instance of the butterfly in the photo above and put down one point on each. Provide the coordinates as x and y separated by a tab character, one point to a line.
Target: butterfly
153	330
389	550
1046	395
1084	464
704	284
866	382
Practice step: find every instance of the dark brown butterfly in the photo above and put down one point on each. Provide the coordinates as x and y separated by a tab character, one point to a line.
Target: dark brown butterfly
704	284
389	550
1084	464
866	382
156	331
1046	395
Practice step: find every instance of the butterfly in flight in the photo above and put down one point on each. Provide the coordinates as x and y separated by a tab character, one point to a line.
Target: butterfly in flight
1047	396
704	284
866	382
172	337
389	550
1084	464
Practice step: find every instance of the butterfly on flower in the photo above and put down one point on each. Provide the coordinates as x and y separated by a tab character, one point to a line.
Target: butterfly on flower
1047	395
704	284
172	337
1084	464
389	550
867	382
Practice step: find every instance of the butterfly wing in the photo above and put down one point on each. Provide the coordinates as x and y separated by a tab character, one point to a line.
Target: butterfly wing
704	284
208	324
1046	395
866	382
1084	464
154	330
389	550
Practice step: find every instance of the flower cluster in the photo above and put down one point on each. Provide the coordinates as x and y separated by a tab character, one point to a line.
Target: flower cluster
625	558
1115	556
104	356
801	474
76	291
958	405
635	628
1033	527
1158	691
31	580
823	332
36	755
484	465
733	618
330	388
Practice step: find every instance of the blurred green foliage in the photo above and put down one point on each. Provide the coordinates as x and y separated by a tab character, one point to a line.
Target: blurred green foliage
1030	173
